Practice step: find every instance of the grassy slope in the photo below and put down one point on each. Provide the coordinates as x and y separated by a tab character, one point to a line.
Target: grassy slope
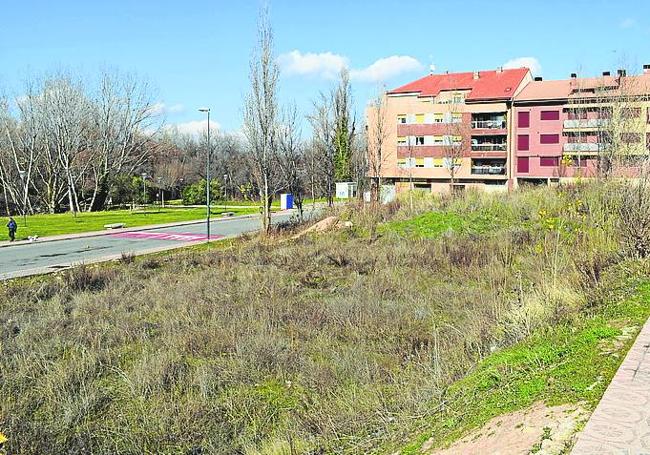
564	364
568	364
65	223
434	224
354	327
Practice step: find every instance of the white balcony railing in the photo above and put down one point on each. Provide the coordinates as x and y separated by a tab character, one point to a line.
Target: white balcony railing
585	123
489	170
582	147
489	124
489	147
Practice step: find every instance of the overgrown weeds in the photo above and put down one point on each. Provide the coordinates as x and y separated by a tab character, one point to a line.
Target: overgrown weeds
338	342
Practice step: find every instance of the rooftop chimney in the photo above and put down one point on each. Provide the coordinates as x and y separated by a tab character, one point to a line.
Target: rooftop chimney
476	75
573	75
646	69
606	73
538	78
621	73
500	69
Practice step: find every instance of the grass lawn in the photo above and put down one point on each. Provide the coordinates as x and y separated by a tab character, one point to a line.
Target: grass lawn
242	203
435	224
572	363
64	223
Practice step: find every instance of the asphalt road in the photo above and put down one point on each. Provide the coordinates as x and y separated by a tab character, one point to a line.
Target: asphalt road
44	257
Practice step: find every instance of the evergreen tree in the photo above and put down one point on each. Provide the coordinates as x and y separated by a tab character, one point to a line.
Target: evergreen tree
344	124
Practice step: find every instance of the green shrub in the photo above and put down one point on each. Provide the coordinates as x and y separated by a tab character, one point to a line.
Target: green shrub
195	194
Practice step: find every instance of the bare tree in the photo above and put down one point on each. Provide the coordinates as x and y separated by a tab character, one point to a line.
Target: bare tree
455	140
291	156
377	128
607	115
360	162
324	143
260	116
122	112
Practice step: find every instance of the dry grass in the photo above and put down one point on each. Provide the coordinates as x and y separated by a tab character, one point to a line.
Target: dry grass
333	343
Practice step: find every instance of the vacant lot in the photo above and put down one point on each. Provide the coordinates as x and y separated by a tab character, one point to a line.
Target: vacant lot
422	321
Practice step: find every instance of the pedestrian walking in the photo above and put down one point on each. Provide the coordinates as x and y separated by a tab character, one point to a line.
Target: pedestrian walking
13	227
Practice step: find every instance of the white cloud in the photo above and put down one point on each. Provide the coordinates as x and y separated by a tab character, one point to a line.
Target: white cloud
628	22
325	64
162	108
525	62
193	128
387	68
328	66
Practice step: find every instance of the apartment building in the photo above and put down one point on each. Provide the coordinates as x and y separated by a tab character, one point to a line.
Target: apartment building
581	127
447	127
496	129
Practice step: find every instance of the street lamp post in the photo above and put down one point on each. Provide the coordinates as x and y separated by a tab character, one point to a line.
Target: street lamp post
207	176
22	175
144	191
162	193
225	190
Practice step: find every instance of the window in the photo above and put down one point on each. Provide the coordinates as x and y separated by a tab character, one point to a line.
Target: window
578	114
457	139
549	138
438	140
419	140
522	142
648	114
456	117
419	162
549	115
401	162
548	161
438	117
401	140
438	162
419	118
523	119
401	118
458	98
522	164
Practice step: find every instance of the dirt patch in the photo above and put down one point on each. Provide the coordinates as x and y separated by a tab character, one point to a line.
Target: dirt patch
538	429
326	224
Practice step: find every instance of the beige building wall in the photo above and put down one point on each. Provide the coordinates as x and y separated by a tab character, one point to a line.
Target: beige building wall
395	105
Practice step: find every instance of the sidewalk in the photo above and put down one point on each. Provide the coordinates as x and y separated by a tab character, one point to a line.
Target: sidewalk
621	422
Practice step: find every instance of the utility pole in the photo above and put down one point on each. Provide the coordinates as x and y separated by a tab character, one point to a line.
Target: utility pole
207	176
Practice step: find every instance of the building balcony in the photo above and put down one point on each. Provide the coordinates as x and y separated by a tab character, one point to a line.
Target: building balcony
489	170
582	147
498	123
489	147
585	123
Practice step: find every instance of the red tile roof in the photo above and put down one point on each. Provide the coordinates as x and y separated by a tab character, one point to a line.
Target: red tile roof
490	84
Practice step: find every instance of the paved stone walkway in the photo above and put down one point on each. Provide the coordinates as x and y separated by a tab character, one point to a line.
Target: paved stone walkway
621	422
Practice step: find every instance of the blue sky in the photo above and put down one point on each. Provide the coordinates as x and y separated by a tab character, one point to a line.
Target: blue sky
196	52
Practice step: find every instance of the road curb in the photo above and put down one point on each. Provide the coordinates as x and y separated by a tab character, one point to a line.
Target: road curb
38	271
